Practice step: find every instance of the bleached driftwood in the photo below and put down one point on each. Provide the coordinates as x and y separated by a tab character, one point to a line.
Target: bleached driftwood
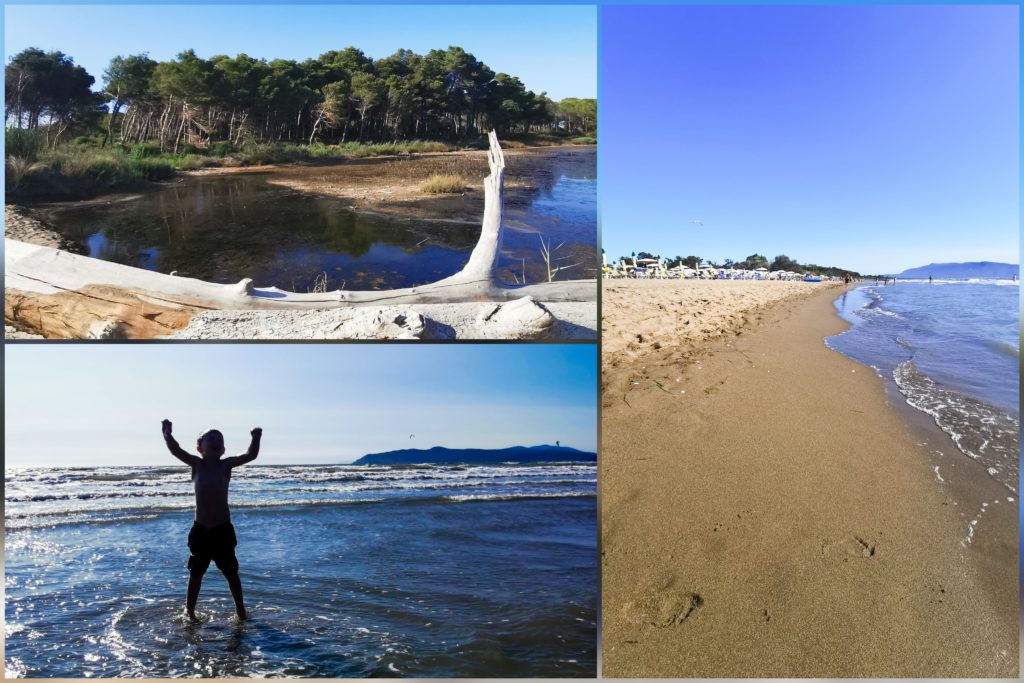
44	270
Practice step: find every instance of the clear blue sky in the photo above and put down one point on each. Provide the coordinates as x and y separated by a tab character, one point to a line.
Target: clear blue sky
870	137
87	404
552	49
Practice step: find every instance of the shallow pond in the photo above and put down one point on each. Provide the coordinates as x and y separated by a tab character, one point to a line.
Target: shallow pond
228	227
562	209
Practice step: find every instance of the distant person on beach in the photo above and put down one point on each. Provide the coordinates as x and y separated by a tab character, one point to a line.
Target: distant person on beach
929	279
212	537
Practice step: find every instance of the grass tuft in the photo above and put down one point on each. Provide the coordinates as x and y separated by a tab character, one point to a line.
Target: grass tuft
443	184
19	168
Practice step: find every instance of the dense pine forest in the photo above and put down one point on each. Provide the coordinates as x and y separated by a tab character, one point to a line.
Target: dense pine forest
148	117
339	96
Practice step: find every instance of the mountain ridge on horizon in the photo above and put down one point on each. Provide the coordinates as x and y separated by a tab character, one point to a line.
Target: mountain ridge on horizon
962	271
474	456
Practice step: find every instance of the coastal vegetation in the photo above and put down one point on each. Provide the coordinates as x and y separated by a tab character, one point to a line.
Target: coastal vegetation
69	134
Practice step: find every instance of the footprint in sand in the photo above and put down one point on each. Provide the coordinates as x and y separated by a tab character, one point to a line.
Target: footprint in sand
662	610
747	513
937	593
849	546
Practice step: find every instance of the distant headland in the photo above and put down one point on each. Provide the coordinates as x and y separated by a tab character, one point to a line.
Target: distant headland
988	270
439	455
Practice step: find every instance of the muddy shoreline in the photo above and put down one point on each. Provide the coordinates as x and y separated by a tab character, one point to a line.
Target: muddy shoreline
384	184
390	185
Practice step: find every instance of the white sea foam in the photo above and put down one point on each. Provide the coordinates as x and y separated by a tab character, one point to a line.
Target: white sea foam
980	431
46	497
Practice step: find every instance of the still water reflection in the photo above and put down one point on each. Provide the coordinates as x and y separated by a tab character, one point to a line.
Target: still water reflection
225	228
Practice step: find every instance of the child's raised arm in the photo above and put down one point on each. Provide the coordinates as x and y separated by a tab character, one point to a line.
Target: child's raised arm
249	455
176	450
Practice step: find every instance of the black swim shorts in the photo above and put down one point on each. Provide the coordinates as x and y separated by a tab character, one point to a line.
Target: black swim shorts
216	544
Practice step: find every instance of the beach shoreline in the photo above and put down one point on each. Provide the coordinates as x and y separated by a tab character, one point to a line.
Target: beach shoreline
767	512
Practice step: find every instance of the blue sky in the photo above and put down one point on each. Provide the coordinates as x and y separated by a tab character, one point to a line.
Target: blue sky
88	404
870	137
552	49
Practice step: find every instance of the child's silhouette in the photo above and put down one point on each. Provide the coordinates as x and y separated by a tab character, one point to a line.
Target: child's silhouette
212	536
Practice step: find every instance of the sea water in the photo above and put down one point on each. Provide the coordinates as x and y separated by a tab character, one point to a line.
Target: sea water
952	348
427	571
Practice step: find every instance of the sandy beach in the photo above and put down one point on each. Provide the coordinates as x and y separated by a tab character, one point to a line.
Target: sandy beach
769	510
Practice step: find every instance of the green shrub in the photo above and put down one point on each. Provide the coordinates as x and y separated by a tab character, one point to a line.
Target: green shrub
22	143
256	154
222	149
362	149
145	150
319	149
154	169
185	162
423	146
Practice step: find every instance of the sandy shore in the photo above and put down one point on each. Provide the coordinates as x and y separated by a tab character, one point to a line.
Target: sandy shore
562	320
18	225
767	512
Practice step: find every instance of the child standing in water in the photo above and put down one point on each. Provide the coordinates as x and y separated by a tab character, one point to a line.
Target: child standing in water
212	537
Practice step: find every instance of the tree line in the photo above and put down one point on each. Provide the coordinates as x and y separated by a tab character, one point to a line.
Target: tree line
752	262
339	96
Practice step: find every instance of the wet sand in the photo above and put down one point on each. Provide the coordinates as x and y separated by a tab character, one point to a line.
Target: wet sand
18	225
767	512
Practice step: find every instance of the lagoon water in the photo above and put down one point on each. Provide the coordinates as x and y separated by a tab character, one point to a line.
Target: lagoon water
563	211
225	228
953	350
428	571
